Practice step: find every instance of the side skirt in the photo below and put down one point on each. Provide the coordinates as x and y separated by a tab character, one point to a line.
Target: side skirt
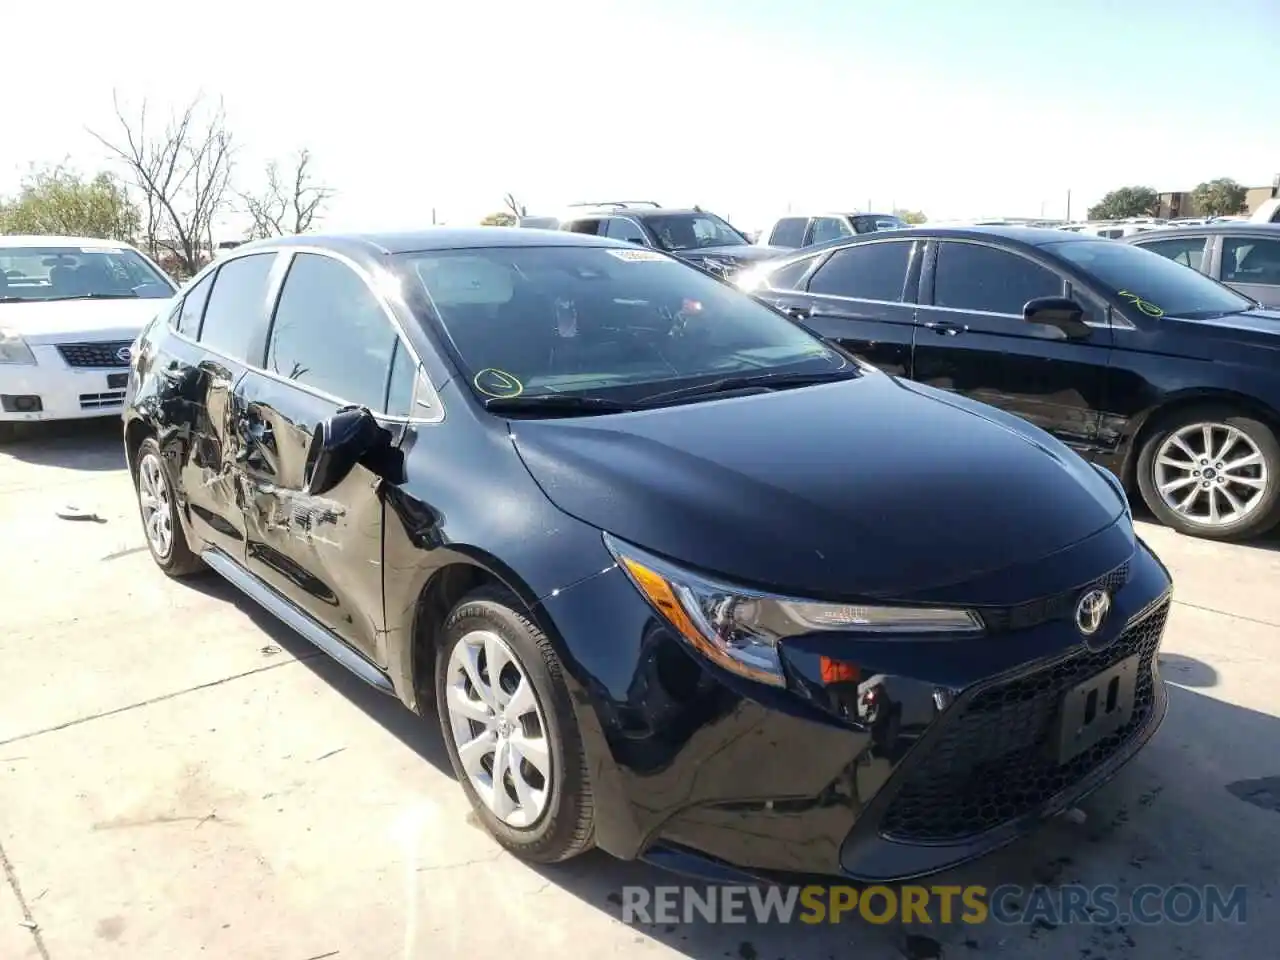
295	619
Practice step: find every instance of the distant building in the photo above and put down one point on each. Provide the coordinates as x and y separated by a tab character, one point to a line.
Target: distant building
1182	204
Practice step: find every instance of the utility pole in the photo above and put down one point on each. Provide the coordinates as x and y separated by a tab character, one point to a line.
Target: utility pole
433	216
1068	204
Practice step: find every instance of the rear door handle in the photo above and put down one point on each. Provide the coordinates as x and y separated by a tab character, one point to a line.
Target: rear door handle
798	311
946	328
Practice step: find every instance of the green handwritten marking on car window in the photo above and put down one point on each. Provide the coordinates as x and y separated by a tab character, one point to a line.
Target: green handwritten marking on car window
1146	306
498	383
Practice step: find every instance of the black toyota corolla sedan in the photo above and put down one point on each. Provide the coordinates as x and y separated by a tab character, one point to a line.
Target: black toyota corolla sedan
679	579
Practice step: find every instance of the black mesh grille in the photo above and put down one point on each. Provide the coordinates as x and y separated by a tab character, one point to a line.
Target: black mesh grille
993	763
103	354
1058	607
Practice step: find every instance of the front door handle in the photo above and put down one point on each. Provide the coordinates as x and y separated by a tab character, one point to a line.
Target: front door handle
946	328
797	311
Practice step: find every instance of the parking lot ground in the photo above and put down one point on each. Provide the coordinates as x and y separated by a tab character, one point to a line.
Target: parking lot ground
181	777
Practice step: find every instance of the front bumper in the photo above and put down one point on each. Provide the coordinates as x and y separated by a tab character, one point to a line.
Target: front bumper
697	770
65	392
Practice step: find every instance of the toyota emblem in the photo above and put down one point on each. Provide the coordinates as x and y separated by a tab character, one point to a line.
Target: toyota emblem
1091	612
124	354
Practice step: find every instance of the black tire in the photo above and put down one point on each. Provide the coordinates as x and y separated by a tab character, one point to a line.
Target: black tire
565	828
1261	518
178	560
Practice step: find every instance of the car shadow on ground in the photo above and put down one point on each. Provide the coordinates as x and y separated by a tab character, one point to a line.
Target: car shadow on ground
90	445
1149	825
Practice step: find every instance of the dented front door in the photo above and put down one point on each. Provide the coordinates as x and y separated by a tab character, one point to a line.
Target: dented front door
323	553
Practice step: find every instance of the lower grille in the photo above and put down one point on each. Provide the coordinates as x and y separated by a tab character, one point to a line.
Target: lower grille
96	401
108	353
993	763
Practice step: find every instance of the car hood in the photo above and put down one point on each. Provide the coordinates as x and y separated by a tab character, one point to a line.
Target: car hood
872	487
738	254
53	321
1251	321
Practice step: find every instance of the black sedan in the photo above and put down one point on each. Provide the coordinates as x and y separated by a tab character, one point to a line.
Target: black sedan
1165	377
676	578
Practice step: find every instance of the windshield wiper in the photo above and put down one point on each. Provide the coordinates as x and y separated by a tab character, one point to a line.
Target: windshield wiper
556	403
767	381
98	296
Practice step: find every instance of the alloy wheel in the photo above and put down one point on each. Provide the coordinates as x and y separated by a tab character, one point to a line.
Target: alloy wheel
1213	474
155	501
498	728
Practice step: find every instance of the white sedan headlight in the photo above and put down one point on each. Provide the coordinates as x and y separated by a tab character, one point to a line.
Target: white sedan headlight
739	629
13	349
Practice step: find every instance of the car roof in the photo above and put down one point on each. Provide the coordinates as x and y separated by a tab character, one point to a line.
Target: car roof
69	243
436	238
635	213
1025	236
1234	227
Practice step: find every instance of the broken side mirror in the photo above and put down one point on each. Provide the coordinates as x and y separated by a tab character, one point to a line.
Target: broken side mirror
337	445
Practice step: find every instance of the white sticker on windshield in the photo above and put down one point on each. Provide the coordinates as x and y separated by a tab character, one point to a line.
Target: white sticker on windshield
638	256
99	250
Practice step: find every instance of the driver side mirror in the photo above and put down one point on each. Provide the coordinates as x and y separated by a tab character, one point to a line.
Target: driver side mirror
337	445
1060	312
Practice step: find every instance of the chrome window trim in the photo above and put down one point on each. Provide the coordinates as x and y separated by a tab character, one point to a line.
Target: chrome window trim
285	255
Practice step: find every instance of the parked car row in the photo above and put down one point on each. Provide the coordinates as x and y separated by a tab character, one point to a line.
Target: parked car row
677	577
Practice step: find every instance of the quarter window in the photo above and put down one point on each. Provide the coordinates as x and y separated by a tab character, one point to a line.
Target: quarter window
330	333
1188	251
188	321
788	232
866	271
1251	260
620	228
829	228
402	382
237	308
788	276
970	276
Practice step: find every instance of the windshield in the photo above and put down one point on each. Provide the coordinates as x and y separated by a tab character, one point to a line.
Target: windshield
66	273
1151	283
693	231
626	324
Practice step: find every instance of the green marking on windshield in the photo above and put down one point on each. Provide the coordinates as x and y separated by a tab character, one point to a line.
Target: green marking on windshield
1146	306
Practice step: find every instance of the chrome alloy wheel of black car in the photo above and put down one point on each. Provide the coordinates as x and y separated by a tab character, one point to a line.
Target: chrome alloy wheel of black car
675	577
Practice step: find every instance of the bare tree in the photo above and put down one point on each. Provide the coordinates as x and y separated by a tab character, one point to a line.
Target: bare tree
517	208
183	172
288	203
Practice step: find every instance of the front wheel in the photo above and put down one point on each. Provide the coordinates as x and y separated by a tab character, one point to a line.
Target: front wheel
1212	472
510	729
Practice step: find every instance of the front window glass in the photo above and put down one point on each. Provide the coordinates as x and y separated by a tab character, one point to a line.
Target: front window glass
693	231
622	323
79	273
1148	282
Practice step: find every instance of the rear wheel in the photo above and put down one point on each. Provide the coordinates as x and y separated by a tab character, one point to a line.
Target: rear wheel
510	729
1212	472
158	508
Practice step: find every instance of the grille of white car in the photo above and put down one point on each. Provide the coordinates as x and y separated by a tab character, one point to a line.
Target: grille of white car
107	353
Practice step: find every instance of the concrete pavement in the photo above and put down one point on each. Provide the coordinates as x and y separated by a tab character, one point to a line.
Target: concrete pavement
181	777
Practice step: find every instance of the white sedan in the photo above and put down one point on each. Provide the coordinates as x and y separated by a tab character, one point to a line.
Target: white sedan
70	309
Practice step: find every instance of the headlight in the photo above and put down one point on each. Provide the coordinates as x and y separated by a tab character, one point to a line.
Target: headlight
740	629
13	349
